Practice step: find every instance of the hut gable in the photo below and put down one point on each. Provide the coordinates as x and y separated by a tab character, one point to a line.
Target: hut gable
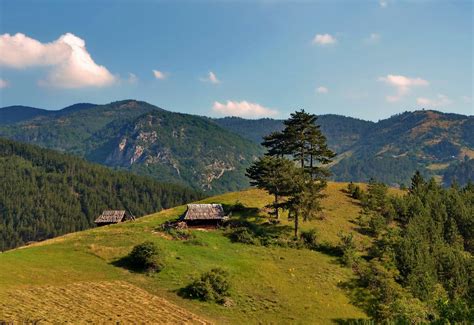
113	216
202	212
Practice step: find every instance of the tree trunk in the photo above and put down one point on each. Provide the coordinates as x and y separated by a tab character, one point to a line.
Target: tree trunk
276	207
296	225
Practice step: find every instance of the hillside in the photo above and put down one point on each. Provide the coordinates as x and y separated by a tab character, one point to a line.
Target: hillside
282	285
147	140
44	194
389	150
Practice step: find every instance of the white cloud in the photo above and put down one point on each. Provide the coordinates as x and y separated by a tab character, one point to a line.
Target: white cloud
324	39
440	101
322	90
211	77
70	65
3	83
243	109
132	78
466	99
402	84
383	3
159	75
373	38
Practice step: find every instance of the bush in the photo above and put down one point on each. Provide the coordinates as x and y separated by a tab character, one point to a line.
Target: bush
212	286
245	236
146	256
348	249
309	238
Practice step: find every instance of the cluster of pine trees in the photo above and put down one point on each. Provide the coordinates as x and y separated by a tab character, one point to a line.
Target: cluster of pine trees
420	268
293	169
44	194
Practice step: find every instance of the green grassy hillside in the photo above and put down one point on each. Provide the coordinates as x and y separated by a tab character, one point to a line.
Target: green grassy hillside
269	284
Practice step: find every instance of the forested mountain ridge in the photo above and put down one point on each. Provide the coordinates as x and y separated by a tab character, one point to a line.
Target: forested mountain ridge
209	156
389	150
148	140
44	193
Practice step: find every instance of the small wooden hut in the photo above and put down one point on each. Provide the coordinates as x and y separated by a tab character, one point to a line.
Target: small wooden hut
109	217
204	215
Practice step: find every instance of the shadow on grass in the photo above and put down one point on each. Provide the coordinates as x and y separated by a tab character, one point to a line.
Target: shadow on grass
359	297
329	249
126	263
353	321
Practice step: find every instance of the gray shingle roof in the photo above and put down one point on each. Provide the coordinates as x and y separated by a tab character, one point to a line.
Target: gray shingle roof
204	212
111	216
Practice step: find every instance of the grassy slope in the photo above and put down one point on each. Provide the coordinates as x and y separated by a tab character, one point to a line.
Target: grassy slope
270	285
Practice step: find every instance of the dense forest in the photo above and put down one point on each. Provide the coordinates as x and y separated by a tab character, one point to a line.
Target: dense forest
44	194
420	267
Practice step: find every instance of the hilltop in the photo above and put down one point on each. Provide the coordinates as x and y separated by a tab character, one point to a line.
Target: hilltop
270	284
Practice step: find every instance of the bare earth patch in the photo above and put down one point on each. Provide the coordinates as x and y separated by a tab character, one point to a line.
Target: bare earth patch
116	302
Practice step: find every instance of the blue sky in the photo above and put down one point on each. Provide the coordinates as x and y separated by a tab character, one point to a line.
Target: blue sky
366	59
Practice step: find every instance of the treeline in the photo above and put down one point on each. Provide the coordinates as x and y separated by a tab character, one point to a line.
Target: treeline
44	193
420	267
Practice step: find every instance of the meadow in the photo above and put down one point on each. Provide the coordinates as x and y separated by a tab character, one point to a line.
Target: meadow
77	273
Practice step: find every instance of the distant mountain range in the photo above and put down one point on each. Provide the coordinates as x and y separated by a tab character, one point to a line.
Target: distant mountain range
212	154
140	137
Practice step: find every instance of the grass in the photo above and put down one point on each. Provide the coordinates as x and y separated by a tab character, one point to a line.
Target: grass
269	284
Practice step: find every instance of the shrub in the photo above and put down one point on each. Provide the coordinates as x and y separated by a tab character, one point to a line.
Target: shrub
146	256
348	249
309	238
180	234
211	286
245	236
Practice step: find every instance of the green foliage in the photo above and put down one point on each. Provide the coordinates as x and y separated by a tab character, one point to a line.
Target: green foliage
44	194
147	257
302	141
211	286
425	267
348	249
310	238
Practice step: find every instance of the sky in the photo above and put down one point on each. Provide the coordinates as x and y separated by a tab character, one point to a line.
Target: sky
268	58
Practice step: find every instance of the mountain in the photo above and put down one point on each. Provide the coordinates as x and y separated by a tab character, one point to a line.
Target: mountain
15	114
44	193
342	132
147	140
389	150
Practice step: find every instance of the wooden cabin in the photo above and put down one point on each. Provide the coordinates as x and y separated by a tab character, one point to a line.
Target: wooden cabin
204	215
109	217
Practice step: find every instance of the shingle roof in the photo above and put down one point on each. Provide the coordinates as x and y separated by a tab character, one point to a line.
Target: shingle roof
204	212
111	216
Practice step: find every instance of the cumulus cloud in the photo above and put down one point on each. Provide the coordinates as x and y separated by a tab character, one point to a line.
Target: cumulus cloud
69	63
3	83
324	39
439	101
322	90
243	109
159	75
402	84
211	77
466	99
